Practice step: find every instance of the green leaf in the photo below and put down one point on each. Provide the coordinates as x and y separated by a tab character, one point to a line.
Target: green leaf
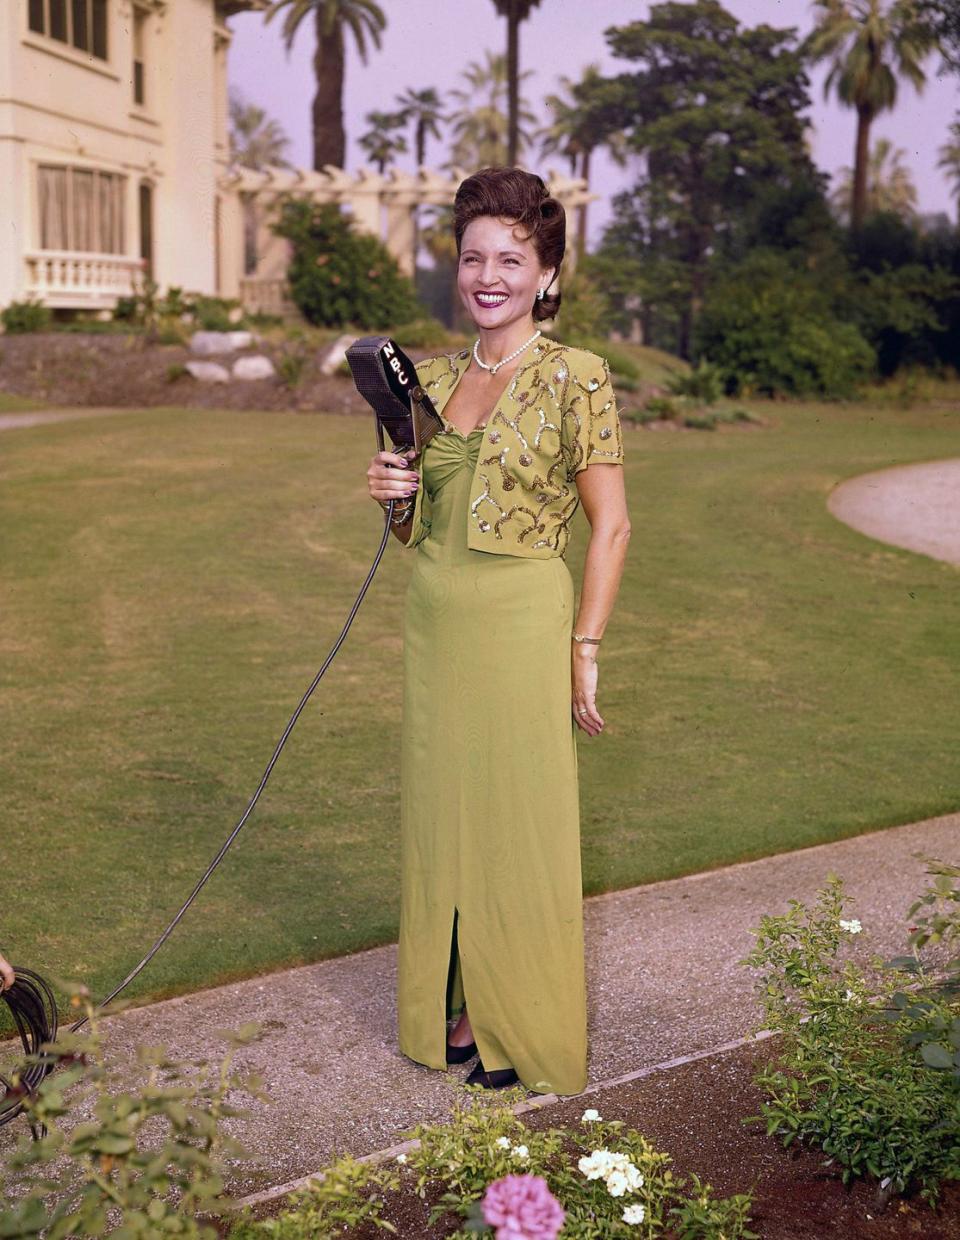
113	1143
936	1056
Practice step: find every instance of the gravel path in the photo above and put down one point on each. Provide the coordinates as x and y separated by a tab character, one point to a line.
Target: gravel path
916	507
663	982
17	421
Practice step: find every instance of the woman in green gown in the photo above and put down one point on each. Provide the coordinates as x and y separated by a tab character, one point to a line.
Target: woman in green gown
499	671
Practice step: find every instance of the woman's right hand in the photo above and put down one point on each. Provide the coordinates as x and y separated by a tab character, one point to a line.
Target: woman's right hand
390	476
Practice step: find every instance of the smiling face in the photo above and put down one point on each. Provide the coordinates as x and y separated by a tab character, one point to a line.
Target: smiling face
499	273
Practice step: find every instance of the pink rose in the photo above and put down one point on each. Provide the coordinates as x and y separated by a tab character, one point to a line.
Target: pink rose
521	1207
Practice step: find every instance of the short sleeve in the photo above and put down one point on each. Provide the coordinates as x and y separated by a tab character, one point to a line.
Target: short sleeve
591	424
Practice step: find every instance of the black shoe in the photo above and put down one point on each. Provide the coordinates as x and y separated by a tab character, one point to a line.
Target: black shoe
499	1078
460	1054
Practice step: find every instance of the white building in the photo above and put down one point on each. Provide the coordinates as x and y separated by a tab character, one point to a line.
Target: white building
113	138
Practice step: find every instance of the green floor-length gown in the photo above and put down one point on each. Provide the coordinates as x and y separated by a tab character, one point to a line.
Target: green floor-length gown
491	893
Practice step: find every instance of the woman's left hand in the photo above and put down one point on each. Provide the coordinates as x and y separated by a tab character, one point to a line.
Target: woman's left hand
585	675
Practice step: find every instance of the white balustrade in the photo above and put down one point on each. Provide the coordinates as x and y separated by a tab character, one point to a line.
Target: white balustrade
85	280
265	295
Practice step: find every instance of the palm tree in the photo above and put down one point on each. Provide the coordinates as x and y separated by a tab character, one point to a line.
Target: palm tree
574	136
890	186
425	109
255	140
949	161
331	17
515	11
870	44
480	129
381	142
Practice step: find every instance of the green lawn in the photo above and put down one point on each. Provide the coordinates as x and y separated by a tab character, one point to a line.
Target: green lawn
171	581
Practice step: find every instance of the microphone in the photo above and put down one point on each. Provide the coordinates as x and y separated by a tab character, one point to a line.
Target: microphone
387	379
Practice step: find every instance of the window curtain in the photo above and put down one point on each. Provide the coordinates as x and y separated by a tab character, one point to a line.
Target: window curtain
83	208
52	185
80	209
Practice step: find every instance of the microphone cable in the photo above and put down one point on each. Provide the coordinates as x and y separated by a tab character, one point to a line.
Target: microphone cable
34	1009
30	998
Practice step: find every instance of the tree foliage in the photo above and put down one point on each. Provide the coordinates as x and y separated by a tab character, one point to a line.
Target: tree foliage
771	328
713	110
890	185
338	276
479	124
871	45
256	140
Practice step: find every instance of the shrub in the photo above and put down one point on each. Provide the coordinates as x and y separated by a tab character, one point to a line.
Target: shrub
596	1171
146	308
338	276
584	309
148	1163
704	383
660	407
289	365
426	333
619	360
347	1195
25	316
770	329
215	314
873	1081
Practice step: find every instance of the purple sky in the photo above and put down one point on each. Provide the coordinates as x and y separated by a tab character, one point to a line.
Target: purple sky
430	42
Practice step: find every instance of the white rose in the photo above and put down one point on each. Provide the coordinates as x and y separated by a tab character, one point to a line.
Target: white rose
503	1142
590	1115
616	1183
589	1167
633	1214
852	926
634	1178
401	1158
520	1151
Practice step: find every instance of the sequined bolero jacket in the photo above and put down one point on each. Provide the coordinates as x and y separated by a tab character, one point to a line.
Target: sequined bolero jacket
557	415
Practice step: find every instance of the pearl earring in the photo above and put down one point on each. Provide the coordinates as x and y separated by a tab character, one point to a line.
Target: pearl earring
540	292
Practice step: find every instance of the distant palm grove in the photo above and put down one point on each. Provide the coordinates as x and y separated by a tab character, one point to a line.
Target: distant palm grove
730	246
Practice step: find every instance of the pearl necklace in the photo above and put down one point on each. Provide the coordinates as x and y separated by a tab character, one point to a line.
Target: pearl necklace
503	361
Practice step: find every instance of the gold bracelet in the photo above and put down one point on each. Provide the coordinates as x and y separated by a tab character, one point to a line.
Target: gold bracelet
594	641
401	513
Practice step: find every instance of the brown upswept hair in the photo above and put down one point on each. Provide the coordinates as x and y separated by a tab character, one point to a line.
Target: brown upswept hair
513	194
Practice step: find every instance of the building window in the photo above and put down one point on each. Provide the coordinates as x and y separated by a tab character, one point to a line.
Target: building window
80	209
139	30
81	23
146	227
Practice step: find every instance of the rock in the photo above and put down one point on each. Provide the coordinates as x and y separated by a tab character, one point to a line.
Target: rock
209	343
335	354
208	372
257	367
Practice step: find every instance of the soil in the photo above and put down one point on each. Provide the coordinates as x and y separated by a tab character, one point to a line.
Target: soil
124	371
694	1113
95	370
